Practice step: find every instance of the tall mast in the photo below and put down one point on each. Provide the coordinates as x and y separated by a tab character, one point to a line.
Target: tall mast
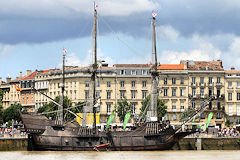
154	75
61	107
94	70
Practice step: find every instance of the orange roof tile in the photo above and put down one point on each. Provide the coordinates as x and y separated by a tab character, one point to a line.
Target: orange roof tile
232	71
171	67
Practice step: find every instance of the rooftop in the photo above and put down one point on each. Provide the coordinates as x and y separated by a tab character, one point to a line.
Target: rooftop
171	67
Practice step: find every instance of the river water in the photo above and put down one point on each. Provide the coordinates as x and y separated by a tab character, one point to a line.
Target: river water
114	155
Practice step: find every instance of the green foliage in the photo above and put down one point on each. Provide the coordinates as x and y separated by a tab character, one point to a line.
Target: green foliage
53	107
162	107
227	123
1	115
12	112
122	108
1	96
186	114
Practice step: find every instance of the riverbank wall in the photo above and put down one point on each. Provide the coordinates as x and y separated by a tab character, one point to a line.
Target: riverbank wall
20	144
228	143
13	144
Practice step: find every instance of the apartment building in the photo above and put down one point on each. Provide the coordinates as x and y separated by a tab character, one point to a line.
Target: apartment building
232	92
206	79
173	84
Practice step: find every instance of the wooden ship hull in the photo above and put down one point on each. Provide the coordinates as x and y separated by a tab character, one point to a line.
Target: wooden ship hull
45	134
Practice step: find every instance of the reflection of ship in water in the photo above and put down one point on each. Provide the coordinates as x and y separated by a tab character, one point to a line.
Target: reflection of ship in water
154	134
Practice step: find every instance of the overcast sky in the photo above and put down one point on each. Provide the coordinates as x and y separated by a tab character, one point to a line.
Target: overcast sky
33	32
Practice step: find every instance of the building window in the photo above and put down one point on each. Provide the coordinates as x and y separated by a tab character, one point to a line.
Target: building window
173	92
174	117
218	92
229	74
86	94
209	91
193	104
86	84
210	105
165	92
133	93
144	72
173	80
193	80
202	92
174	108
97	93
229	96
108	108
108	94
181	80
210	80
133	108
193	92
133	72
144	83
165	81
122	72
219	105
98	84
238	84
230	110
238	110
182	91
218	79
133	83
122	94
238	96
122	83
144	94
229	84
181	108
201	80
108	84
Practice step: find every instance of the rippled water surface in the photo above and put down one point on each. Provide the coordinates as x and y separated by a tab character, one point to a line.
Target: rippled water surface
152	155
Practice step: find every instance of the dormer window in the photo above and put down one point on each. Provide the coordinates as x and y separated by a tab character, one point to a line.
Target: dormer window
134	72
144	72
122	72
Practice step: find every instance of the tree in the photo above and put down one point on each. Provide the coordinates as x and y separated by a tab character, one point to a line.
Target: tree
12	112
1	107
53	107
122	108
161	107
186	114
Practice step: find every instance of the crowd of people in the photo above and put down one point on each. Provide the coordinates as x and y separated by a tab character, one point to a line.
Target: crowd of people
9	132
228	132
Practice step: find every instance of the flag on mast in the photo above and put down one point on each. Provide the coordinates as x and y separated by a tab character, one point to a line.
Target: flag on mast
64	50
18	88
154	14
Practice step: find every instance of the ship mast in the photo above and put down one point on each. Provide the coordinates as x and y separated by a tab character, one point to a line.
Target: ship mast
94	71
60	115
153	116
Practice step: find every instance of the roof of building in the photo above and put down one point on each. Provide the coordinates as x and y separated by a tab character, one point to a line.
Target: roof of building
232	71
132	65
31	76
203	65
171	67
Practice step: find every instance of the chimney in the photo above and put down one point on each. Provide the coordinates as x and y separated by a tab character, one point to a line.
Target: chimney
20	75
187	63
29	72
0	81
8	79
232	68
220	63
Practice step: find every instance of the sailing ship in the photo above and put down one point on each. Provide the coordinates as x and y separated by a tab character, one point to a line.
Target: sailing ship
154	134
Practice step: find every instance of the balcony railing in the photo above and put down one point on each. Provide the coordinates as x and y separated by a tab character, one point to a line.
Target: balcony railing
219	84
202	84
194	84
